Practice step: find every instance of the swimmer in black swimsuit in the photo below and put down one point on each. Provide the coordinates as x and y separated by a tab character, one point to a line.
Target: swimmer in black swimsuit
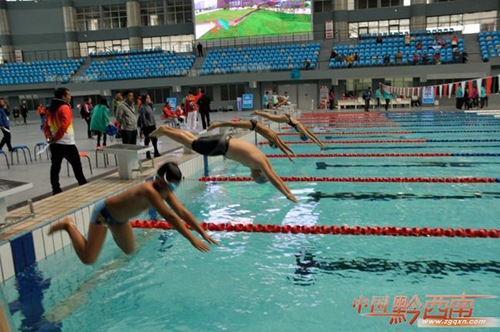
114	213
304	132
232	148
274	140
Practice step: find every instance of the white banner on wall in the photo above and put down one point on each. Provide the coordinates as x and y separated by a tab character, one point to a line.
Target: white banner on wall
18	55
329	29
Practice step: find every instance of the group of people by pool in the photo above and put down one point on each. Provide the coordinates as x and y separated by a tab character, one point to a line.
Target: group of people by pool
116	211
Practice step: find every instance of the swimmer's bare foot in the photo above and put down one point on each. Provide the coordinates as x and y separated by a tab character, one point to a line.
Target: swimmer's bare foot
62	224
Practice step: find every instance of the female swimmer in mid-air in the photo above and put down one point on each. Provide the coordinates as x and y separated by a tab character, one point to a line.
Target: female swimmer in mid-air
304	132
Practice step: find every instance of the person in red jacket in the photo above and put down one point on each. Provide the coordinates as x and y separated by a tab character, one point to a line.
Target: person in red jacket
168	115
58	130
191	107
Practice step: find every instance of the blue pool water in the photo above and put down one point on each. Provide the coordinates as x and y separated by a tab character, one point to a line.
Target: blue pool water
288	282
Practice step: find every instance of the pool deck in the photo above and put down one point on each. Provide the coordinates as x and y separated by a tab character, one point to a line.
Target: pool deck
103	182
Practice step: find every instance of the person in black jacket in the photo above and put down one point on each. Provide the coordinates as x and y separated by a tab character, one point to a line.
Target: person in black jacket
204	109
24	111
367	96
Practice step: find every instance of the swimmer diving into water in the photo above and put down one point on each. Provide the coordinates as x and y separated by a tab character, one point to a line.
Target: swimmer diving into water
116	211
232	148
274	140
304	132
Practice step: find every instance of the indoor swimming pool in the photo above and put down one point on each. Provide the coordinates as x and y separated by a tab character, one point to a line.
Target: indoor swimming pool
302	282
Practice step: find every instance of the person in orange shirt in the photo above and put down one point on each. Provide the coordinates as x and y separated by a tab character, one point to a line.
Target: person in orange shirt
191	107
180	113
41	110
169	116
58	130
167	112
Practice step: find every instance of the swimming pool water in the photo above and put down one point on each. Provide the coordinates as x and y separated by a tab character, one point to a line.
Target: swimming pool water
286	282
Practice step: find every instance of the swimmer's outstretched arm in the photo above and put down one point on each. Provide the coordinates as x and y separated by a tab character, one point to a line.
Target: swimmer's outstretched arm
271	136
276	180
309	134
188	217
275	118
158	204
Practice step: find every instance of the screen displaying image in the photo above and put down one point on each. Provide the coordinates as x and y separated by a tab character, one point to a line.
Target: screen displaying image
218	19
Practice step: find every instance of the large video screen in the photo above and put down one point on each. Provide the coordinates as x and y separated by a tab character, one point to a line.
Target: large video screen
218	19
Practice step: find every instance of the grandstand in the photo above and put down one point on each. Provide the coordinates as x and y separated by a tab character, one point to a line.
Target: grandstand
372	53
56	71
96	48
489	42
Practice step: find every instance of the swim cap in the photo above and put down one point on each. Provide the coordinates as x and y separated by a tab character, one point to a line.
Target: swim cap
303	137
260	179
171	185
273	145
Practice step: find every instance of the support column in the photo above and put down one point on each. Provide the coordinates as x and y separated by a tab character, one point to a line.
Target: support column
340	27
134	24
339	5
418	20
498	17
70	29
5	36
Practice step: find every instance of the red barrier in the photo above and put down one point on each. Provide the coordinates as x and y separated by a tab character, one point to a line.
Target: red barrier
335	230
356	179
362	141
333	126
345	133
362	155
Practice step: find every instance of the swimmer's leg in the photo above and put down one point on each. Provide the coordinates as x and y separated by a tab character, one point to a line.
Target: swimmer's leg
273	117
180	136
124	237
86	250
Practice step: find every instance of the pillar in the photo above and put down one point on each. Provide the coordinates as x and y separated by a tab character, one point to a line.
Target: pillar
134	24
70	29
5	36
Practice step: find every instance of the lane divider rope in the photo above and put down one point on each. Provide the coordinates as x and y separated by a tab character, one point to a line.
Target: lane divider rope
409	132
404	126
375	141
390	114
332	230
376	155
353	133
357	179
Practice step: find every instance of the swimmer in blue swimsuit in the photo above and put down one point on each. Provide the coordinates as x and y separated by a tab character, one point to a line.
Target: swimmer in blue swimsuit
232	148
114	213
274	140
304	132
